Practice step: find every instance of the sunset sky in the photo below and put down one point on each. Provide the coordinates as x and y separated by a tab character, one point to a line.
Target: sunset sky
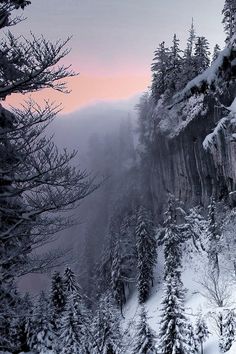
113	41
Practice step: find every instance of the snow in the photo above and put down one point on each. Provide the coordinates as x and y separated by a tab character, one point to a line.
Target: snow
208	76
175	119
210	138
193	270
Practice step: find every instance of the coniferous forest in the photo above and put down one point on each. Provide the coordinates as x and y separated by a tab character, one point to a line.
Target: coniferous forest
154	268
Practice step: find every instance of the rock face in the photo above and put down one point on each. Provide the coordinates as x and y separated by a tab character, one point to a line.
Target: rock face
181	165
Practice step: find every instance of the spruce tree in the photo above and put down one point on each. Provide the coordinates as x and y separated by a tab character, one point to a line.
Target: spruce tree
173	333
213	235
188	71
201	331
144	340
201	55
159	68
58	296
69	339
40	332
191	338
229	331
172	241
229	18
106	333
118	290
147	253
18	327
174	67
70	282
216	52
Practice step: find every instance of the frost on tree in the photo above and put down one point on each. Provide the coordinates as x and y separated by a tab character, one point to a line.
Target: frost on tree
106	333
147	253
58	301
40	331
228	330
229	19
173	332
201	55
144	339
201	331
159	69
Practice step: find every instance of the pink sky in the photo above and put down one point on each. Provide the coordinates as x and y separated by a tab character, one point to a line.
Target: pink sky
86	90
113	41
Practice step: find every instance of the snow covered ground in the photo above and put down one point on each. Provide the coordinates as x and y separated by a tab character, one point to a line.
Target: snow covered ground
193	273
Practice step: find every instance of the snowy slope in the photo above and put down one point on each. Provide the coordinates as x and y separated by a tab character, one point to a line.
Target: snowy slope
193	271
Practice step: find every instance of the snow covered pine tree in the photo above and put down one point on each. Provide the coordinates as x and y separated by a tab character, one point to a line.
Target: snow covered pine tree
228	330
201	331
229	19
174	334
147	253
144	339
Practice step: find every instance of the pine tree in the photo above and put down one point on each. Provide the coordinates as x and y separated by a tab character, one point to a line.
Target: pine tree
147	253
58	303
216	52
201	55
40	331
229	331
201	332
191	338
229	18
70	282
18	327
159	69
172	241
213	235
174	67
117	284
69	340
188	71
144	340
106	330
173	334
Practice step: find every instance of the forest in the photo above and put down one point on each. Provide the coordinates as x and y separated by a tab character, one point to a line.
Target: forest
154	268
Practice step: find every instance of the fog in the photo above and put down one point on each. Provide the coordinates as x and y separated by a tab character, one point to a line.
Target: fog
85	130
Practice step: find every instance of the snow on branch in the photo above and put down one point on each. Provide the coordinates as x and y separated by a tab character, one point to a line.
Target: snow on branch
210	139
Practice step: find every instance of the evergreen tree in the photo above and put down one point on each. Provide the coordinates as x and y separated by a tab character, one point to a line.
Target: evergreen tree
201	332
159	69
40	331
174	67
147	253
70	281
191	41
118	289
69	340
17	334
188	71
192	342
201	55
58	303
58	296
229	329
213	235
106	330
216	52
172	241
229	18
174	335
144	340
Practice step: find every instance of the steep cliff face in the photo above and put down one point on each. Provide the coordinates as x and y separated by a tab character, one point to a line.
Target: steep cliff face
194	148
